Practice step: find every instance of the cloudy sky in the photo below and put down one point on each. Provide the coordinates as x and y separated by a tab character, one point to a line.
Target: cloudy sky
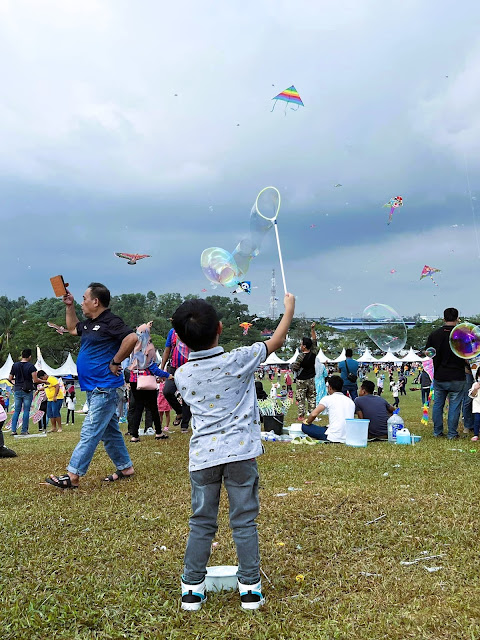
146	126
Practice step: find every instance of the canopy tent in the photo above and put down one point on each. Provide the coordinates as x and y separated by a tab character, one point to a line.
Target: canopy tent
367	357
158	356
340	358
389	357
67	368
322	357
7	367
412	357
294	357
273	359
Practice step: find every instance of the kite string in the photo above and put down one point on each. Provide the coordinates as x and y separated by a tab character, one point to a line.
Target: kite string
471	203
280	258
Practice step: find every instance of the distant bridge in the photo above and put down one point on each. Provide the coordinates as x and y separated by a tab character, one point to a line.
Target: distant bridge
343	325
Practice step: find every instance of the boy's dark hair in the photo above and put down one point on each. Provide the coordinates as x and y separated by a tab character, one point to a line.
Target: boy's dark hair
196	323
368	386
335	382
100	291
26	353
450	314
41	374
307	343
348	353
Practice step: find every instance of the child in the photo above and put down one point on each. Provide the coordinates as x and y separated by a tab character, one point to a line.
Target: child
473	393
71	401
395	394
283	391
273	390
163	407
219	388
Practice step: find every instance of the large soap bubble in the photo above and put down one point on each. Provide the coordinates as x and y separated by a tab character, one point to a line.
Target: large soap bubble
431	352
385	327
465	340
220	267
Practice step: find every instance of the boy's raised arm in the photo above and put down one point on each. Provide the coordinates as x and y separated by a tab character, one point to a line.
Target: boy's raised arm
278	338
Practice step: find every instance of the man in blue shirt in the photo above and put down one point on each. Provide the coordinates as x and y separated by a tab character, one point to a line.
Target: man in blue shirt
348	371
105	342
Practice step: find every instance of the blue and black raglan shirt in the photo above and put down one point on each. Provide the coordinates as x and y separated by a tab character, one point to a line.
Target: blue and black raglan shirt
100	341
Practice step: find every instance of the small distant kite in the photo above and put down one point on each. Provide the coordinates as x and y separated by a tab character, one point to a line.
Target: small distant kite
132	257
427	272
60	330
244	287
289	95
338	185
245	326
204	291
312	226
393	203
393	271
255	319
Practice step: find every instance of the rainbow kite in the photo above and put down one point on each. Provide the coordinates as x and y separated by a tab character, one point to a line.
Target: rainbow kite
428	272
289	95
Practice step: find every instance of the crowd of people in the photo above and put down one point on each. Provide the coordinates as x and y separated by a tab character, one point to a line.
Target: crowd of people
215	392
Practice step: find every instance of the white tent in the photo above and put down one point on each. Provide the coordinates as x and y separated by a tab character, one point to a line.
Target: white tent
273	359
294	357
41	365
322	357
68	368
412	357
340	358
367	357
389	357
7	367
158	356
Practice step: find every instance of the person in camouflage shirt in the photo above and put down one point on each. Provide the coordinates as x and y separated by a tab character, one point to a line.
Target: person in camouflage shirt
304	366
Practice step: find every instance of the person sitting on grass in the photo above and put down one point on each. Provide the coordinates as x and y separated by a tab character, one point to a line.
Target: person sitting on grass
340	408
373	408
220	391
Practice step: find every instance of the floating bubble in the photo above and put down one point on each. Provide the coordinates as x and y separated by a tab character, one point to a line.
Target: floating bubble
465	340
219	266
430	352
385	327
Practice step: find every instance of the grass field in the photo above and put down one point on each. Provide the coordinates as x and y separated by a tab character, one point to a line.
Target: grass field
88	564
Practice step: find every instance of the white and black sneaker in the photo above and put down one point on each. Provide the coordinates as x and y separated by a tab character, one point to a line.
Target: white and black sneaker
193	596
251	596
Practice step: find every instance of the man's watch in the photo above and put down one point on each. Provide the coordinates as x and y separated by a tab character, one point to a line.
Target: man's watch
116	364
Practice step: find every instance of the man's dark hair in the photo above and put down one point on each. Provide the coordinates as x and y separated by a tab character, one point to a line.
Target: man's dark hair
450	314
307	343
41	374
335	382
100	291
26	353
348	353
196	323
368	386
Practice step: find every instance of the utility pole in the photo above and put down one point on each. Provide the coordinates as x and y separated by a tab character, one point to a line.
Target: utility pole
273	297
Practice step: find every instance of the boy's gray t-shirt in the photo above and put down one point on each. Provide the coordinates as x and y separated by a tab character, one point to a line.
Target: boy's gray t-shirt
219	387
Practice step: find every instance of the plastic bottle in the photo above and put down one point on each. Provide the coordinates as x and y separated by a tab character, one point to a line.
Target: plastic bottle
394	423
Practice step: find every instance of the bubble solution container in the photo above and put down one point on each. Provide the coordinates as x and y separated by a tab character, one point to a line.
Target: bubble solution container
356	432
394	423
221	578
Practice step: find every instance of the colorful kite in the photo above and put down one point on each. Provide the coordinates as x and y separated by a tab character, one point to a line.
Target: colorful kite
289	95
245	326
428	272
338	185
132	257
393	203
393	271
60	330
244	287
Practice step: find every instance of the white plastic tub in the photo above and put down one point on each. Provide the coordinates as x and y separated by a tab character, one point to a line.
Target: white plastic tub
221	578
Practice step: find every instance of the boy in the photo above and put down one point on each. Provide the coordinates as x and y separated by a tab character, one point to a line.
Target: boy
219	388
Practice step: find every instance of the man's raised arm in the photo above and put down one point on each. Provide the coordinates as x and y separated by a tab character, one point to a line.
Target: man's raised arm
71	315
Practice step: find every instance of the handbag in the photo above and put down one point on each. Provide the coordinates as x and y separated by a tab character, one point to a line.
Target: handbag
146	382
351	377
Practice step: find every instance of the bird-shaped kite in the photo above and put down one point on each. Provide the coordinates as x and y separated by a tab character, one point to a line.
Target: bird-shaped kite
428	272
132	257
60	330
393	203
338	185
245	326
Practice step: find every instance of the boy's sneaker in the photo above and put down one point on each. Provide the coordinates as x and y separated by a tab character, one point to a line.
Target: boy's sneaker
5	452
251	596
193	596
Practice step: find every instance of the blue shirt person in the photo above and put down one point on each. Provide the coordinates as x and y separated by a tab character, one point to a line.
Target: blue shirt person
348	372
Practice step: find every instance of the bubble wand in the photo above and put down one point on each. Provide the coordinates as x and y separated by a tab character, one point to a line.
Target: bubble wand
268	201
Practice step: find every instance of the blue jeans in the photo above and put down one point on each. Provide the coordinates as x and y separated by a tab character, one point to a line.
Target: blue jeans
241	482
351	387
314	431
455	391
25	399
53	408
425	394
101	423
467	404
476	424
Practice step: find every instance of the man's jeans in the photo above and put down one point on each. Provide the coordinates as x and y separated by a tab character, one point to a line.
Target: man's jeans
25	399
315	431
467	404
352	389
241	483
454	390
101	423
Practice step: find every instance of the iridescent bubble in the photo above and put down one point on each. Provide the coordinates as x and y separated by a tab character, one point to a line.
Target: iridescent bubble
220	267
385	327
465	340
430	352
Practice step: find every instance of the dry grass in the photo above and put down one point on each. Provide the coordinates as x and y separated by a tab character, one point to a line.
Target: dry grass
83	564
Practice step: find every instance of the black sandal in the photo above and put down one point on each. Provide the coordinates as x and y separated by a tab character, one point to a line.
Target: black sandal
177	420
164	436
62	482
134	439
120	476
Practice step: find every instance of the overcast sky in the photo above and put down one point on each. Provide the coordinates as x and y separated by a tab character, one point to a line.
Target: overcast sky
99	155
